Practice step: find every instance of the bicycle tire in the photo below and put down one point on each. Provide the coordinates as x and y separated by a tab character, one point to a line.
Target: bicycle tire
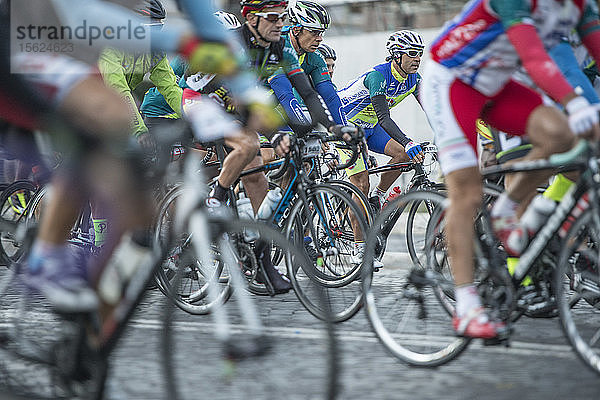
407	316
324	368
577	288
11	249
192	295
341	284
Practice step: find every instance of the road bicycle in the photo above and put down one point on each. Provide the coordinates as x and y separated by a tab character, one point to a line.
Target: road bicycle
413	322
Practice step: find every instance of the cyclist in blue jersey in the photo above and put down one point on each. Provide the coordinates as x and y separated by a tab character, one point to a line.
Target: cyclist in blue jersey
367	101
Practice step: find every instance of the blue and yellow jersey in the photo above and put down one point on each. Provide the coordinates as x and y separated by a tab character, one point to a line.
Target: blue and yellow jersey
381	79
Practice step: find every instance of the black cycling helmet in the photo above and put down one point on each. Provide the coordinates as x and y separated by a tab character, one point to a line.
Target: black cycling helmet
327	51
151	8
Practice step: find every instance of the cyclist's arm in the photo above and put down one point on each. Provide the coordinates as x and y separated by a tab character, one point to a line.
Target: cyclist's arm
166	82
321	80
589	30
515	16
113	74
375	82
282	87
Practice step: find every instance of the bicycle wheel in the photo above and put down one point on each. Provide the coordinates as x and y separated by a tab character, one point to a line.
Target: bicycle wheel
577	288
41	354
328	234
192	292
404	301
256	370
14	203
363	201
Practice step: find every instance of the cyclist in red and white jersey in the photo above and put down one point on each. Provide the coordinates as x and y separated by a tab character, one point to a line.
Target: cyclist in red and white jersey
470	77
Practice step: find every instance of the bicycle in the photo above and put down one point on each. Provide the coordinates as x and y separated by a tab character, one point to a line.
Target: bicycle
427	290
75	356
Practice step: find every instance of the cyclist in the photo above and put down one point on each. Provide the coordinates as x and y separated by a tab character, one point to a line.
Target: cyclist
78	94
470	77
367	102
125	71
330	57
309	22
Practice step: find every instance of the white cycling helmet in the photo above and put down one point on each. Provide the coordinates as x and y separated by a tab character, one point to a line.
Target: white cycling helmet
308	14
404	40
228	20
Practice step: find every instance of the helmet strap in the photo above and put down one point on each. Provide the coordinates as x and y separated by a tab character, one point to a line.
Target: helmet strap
261	37
398	60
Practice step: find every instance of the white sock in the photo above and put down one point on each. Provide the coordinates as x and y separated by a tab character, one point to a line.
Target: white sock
504	206
468	299
379	193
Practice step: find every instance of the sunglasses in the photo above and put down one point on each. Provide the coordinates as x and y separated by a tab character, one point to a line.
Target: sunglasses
273	16
412	53
315	32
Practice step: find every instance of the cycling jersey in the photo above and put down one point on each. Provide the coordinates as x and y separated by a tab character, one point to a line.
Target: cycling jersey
125	71
382	79
315	67
476	48
475	57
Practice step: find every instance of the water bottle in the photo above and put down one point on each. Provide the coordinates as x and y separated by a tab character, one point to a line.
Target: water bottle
269	204
245	211
537	213
533	218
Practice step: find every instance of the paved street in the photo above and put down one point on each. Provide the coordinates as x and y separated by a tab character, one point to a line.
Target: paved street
539	364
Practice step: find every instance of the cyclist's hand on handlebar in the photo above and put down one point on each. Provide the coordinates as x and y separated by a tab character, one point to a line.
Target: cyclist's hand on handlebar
281	144
414	151
583	118
349	133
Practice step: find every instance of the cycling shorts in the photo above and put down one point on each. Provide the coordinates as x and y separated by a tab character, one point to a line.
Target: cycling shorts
452	108
377	138
53	75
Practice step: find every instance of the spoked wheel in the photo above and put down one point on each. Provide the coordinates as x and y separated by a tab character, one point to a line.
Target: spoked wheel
192	292
406	302
331	213
241	334
577	288
42	356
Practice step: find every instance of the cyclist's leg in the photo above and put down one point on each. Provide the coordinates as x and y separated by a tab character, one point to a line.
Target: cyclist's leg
256	185
244	147
548	132
453	119
380	142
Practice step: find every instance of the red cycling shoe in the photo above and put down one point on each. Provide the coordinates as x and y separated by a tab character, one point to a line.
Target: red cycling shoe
469	326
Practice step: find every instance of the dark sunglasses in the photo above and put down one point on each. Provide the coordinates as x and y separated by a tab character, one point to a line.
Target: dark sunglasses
273	16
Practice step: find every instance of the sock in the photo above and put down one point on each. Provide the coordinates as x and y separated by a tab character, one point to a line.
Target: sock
100	226
220	192
511	264
558	188
504	206
468	299
379	193
42	250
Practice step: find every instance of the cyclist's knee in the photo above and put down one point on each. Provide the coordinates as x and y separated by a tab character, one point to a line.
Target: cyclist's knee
549	130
